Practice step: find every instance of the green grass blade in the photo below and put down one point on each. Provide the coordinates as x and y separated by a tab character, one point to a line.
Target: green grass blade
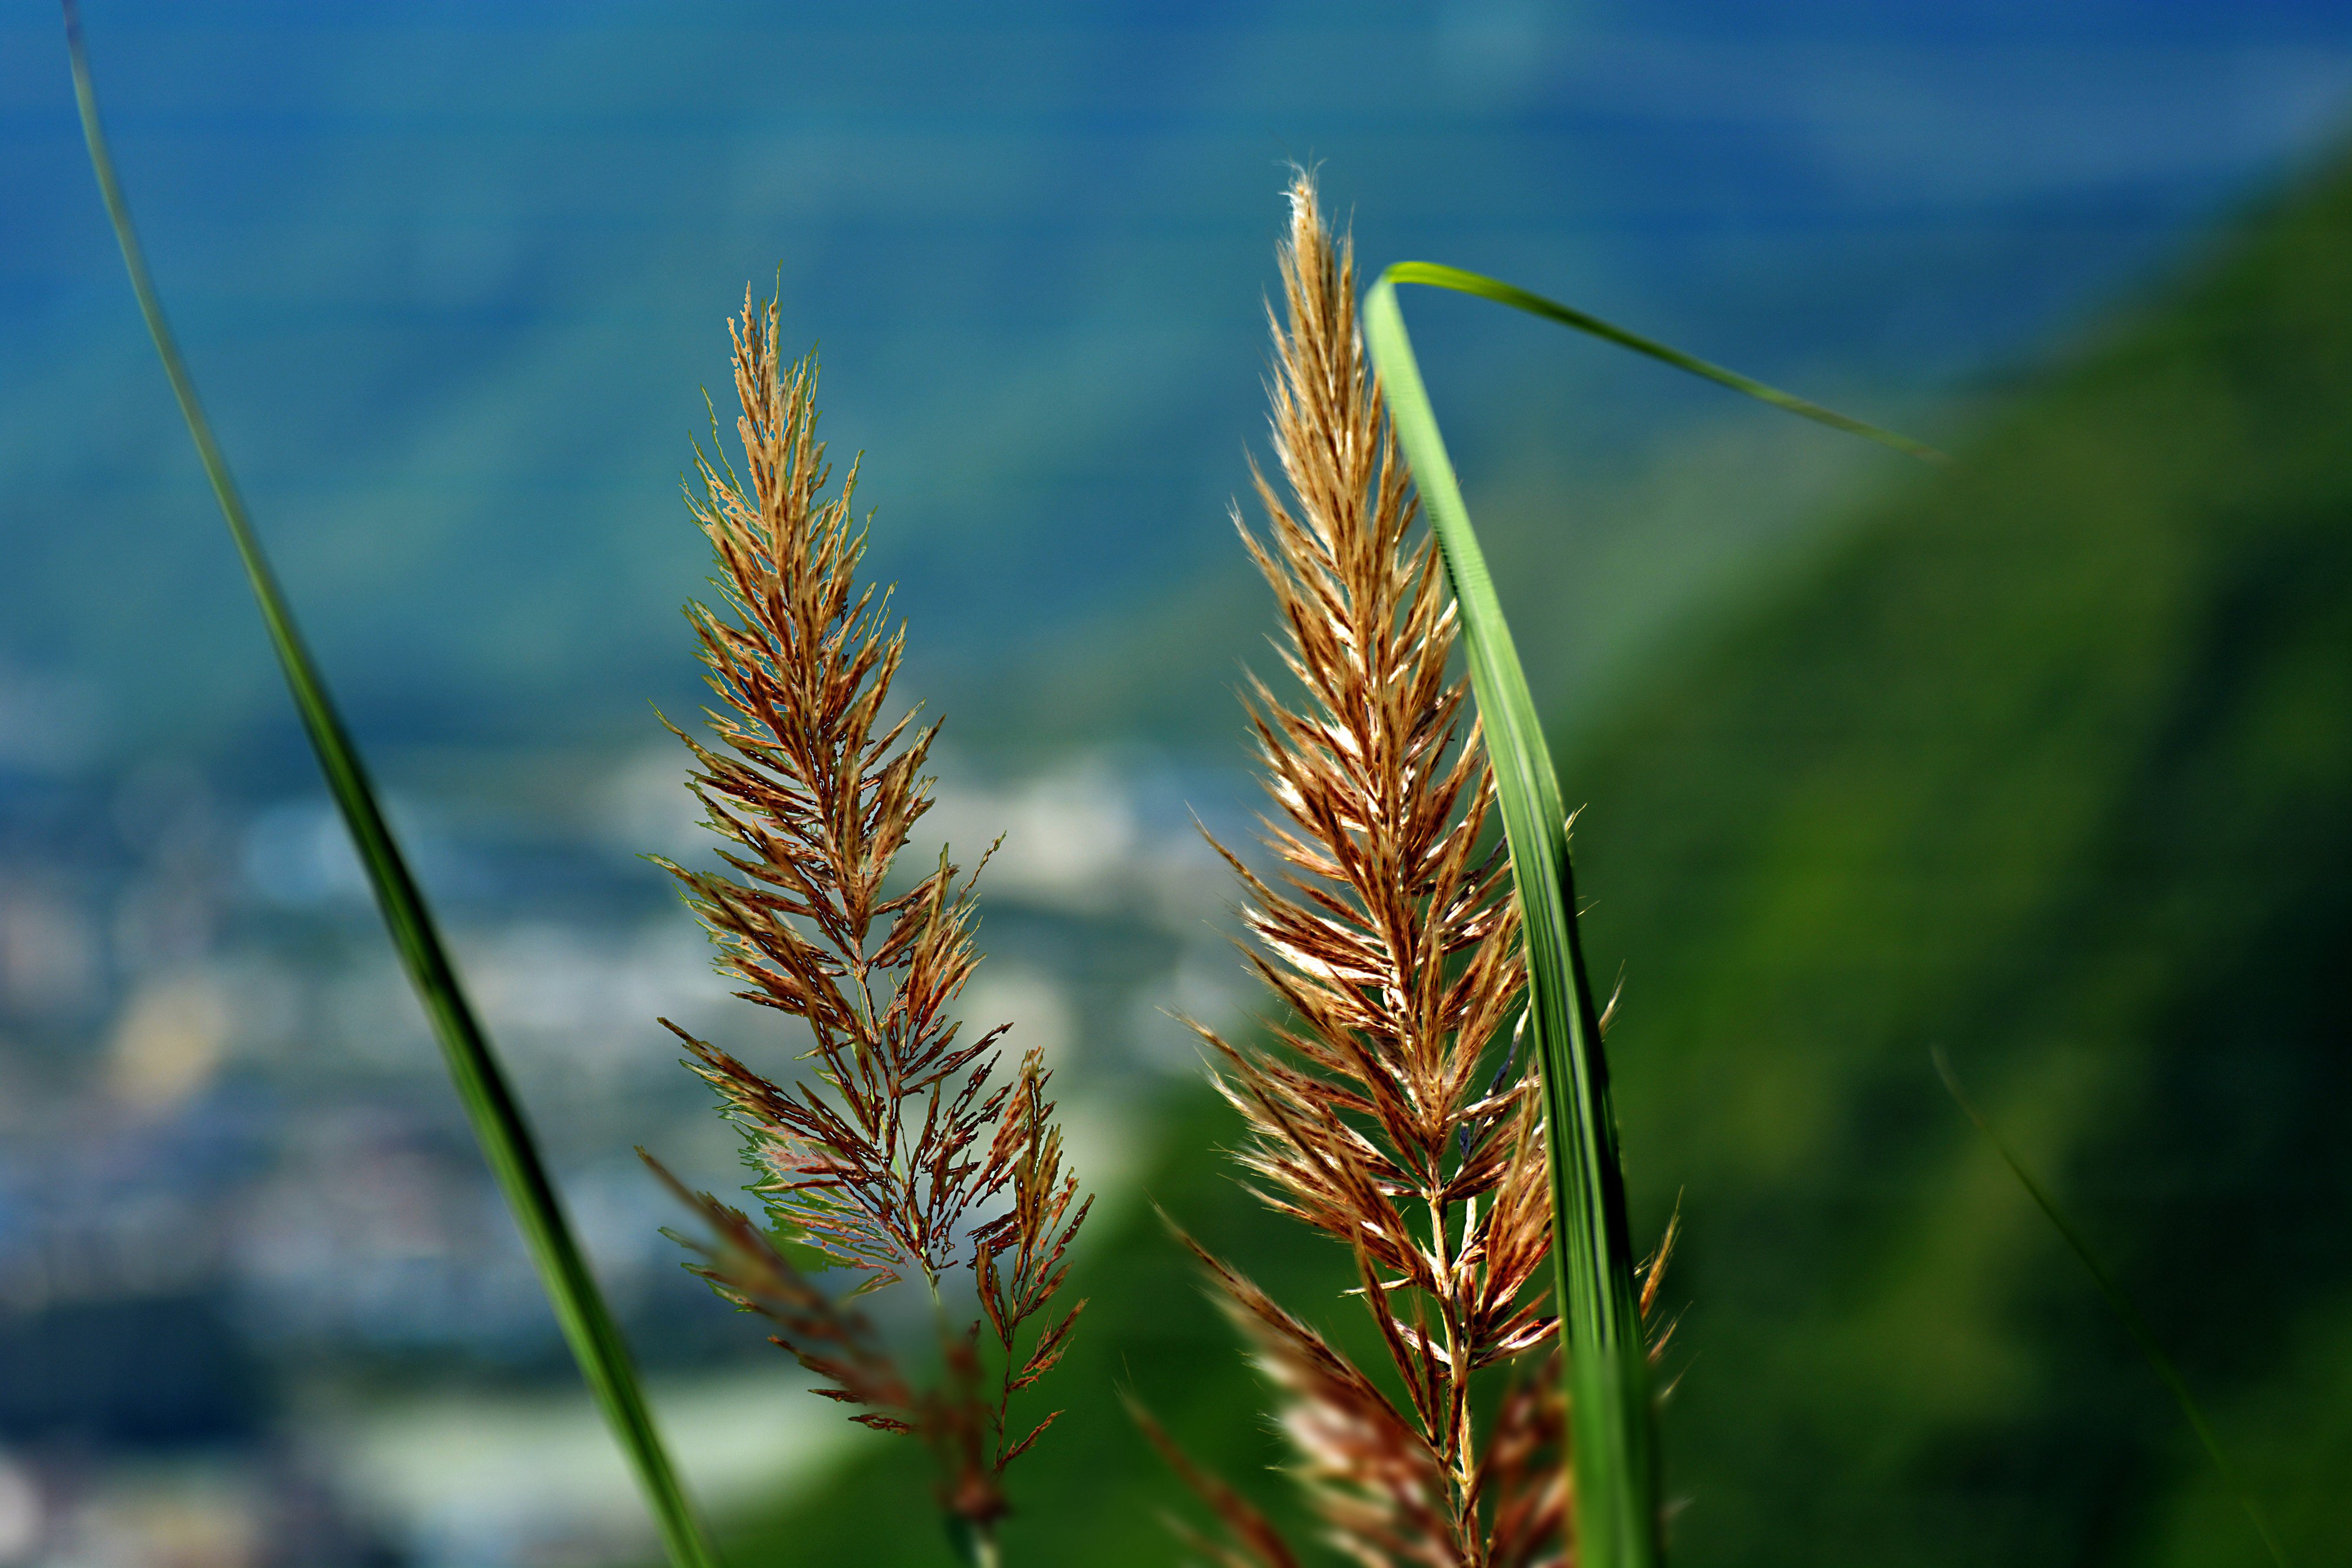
1436	275
491	1107
1613	1439
2133	1324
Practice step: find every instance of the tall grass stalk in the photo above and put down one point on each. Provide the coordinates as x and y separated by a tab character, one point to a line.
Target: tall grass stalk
1389	1108
490	1104
1614	1442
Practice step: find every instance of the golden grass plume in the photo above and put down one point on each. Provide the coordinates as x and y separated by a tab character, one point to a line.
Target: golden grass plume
903	1150
1391	1109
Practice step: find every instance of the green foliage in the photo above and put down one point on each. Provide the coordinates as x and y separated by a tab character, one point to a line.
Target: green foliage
2133	1324
2046	763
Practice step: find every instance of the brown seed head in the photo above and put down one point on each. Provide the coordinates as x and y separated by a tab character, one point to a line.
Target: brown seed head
902	1150
1391	1108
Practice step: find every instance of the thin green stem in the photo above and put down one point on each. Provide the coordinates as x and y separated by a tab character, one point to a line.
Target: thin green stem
975	1545
2133	1324
497	1119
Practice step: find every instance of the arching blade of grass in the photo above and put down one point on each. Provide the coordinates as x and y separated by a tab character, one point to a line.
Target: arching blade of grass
497	1120
1613	1442
2133	1324
1435	274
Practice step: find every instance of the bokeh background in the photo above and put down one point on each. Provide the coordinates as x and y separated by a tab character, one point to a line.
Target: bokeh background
2044	762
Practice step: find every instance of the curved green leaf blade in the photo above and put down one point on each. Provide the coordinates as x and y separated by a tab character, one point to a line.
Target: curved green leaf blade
2133	1324
1614	1446
497	1120
1614	1440
1437	275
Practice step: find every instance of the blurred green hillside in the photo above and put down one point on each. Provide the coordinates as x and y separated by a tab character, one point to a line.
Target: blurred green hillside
2046	762
2048	766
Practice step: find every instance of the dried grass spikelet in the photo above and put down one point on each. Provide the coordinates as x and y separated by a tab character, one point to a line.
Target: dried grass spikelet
904	1151
1392	1111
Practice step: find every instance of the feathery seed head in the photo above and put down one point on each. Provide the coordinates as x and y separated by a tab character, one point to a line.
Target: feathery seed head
1389	1110
903	1150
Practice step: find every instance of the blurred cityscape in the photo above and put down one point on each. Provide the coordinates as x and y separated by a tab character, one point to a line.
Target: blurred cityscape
258	1299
